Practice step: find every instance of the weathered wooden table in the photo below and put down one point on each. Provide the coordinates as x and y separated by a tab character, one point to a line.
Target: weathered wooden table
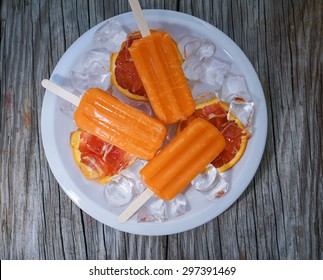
279	216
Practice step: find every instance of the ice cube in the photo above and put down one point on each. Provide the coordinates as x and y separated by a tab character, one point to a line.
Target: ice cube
134	168
192	67
234	86
177	206
100	81
210	183
80	81
191	48
132	172
83	81
187	45
101	55
213	71
111	34
206	49
68	109
198	89
243	110
219	188
95	68
158	210
119	191
203	182
140	186
154	210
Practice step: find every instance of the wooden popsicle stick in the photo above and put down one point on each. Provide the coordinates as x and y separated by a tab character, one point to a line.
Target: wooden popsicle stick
68	96
134	206
140	19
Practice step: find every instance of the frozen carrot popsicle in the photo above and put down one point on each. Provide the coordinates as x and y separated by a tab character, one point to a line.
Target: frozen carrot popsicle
158	64
172	170
110	119
168	173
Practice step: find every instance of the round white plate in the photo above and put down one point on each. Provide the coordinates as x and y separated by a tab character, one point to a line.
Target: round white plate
56	128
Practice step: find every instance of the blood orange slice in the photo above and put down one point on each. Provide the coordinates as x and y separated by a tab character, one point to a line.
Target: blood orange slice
124	74
236	137
98	159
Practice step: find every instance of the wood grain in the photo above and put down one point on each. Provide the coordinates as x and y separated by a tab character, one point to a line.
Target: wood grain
279	216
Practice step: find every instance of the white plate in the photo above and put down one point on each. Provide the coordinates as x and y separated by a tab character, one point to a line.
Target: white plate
56	128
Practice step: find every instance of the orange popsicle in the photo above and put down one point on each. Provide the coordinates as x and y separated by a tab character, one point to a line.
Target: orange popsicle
170	171
157	61
108	118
